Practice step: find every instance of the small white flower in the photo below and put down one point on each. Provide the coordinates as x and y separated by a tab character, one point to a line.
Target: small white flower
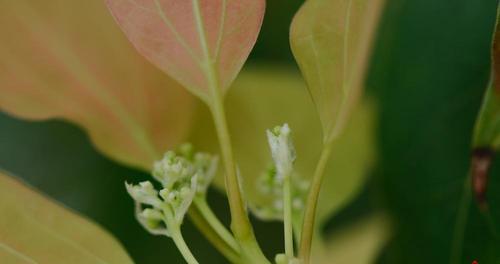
186	194
171	169
183	175
271	183
151	219
144	193
282	149
206	166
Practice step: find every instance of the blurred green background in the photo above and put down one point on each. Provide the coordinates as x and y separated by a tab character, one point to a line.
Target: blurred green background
429	71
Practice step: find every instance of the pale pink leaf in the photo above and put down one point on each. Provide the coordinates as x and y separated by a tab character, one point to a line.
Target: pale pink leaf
201	43
68	59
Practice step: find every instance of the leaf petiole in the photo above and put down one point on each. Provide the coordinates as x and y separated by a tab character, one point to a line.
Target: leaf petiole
240	225
311	204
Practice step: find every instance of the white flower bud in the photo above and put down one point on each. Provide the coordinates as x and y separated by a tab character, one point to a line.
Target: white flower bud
282	149
188	194
143	193
164	193
151	219
152	214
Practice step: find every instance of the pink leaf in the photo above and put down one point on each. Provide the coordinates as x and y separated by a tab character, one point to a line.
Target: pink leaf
67	59
200	43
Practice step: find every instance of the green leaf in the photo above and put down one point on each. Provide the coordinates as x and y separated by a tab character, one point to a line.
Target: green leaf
487	131
331	40
264	97
200	43
58	63
34	229
429	99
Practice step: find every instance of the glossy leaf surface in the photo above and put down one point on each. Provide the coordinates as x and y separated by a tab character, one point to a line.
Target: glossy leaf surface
200	43
58	63
280	97
430	99
331	40
34	229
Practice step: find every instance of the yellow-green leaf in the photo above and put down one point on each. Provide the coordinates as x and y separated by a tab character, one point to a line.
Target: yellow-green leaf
359	243
34	229
68	59
200	43
331	40
263	97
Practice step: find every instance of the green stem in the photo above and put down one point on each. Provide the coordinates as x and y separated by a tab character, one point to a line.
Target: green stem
460	224
176	235
240	224
215	224
311	204
215	239
181	245
287	216
297	227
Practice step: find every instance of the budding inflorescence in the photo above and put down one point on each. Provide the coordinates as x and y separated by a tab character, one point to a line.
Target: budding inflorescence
282	150
183	175
271	183
270	186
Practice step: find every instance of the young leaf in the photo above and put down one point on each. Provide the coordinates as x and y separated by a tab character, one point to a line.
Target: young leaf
200	43
34	229
58	63
330	40
249	106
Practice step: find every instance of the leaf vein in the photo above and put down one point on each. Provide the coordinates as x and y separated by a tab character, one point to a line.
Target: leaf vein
17	253
177	35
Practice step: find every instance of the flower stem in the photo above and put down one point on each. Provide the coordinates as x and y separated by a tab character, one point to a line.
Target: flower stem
240	224
176	235
215	224
183	248
311	204
287	216
215	239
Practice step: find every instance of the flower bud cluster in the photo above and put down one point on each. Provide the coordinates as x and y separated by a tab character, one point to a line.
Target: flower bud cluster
271	183
282	149
270	186
183	175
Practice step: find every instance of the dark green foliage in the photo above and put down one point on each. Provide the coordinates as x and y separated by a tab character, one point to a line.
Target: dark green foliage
430	71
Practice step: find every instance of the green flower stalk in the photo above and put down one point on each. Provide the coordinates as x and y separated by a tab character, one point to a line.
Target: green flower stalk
285	190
